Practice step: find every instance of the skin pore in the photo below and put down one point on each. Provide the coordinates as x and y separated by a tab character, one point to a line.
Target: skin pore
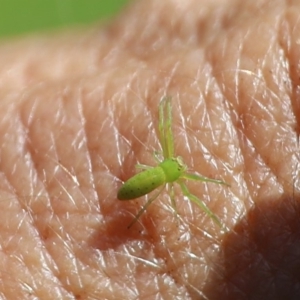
79	110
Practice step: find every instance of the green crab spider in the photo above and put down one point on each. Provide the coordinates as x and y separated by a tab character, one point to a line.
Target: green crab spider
169	171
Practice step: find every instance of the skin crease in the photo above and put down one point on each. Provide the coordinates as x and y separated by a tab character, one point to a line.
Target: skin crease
80	109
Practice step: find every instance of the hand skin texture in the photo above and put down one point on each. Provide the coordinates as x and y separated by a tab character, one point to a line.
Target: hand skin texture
80	109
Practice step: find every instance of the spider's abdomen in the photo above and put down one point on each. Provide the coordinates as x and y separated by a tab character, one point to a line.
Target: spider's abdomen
142	183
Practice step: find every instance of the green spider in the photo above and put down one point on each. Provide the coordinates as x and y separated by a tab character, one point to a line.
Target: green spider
170	170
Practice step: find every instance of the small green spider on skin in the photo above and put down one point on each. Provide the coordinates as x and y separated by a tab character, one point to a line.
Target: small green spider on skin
170	170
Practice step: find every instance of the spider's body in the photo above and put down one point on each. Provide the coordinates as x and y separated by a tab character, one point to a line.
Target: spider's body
145	182
167	172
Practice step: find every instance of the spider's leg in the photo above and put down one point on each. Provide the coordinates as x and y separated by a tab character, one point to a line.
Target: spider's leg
168	129
158	156
202	178
161	125
145	207
199	202
165	127
172	197
143	167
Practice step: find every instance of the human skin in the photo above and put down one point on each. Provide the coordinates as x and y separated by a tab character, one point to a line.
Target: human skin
80	109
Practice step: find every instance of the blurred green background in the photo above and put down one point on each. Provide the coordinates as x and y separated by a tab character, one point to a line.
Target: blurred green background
23	16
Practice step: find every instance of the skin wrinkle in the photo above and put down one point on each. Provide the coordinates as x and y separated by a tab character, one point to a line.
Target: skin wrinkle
23	206
227	57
